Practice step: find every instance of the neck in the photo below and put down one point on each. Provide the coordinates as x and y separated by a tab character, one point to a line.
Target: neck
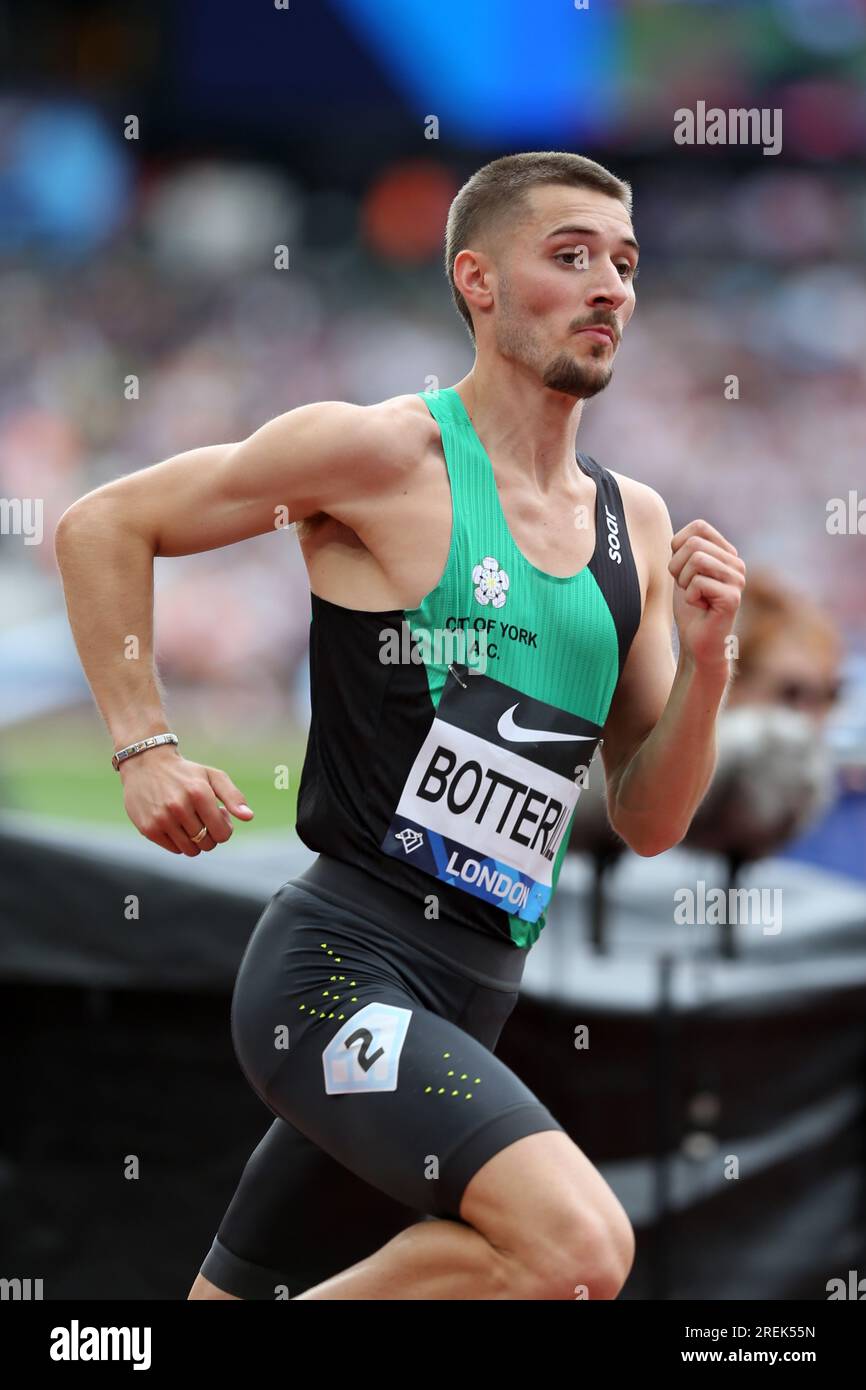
519	419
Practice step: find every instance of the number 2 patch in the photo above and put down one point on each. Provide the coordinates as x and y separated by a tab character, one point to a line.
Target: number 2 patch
365	1054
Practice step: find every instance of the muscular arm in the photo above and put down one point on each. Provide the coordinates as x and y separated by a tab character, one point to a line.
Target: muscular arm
659	749
330	456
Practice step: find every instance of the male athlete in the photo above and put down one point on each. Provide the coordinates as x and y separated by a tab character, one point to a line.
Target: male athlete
439	783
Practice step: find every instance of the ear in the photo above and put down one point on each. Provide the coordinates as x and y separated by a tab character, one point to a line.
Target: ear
472	275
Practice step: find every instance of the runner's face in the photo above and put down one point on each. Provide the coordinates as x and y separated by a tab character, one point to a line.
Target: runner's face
570	266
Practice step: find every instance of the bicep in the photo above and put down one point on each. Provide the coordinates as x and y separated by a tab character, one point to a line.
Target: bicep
306	460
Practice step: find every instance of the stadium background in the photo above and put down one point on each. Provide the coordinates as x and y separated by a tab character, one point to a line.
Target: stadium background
310	126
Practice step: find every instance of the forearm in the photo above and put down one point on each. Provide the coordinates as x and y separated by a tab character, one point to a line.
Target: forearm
107	572
667	778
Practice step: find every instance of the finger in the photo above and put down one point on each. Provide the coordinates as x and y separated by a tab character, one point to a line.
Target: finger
184	841
214	816
170	834
185	822
158	838
699	545
228	793
705	592
702	562
701	528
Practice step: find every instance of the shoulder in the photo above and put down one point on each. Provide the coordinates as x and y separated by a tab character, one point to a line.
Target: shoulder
379	442
407	431
650	530
379	448
383	428
403	425
645	507
384	439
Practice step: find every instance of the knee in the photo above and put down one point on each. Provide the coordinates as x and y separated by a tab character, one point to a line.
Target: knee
582	1254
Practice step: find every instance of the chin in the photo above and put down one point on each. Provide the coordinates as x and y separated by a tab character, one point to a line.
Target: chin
574	377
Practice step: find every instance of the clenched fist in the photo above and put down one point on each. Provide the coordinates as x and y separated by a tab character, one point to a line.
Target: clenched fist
710	578
169	799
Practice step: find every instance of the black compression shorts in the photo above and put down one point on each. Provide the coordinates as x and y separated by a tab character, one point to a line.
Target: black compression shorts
368	1030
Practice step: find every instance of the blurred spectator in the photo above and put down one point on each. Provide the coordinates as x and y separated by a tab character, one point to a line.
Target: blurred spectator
790	651
791	656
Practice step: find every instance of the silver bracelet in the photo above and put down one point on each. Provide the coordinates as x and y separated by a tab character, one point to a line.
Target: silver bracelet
133	748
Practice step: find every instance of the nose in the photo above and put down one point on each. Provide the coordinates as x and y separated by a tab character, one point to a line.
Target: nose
607	289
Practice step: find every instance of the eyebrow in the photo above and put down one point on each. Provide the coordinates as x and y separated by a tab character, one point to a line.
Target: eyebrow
590	231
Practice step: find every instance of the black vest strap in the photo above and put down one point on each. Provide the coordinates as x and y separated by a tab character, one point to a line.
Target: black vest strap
613	565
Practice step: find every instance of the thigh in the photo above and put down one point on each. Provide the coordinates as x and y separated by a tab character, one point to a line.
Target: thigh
336	1037
297	1218
406	1100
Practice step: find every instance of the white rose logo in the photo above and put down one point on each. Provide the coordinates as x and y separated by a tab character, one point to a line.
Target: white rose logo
491	582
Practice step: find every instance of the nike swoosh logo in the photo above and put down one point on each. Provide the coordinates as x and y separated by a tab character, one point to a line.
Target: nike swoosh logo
506	728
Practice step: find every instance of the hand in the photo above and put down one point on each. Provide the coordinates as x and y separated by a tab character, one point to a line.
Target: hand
168	799
710	578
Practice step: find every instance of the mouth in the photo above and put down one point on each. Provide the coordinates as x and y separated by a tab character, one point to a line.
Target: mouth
599	333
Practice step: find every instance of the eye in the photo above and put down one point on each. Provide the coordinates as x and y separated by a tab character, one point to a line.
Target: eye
572	254
627	270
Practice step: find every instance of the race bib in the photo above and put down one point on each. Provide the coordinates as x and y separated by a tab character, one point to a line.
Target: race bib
492	791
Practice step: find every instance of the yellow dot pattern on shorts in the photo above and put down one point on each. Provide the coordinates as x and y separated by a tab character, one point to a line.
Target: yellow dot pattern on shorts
464	1076
326	993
